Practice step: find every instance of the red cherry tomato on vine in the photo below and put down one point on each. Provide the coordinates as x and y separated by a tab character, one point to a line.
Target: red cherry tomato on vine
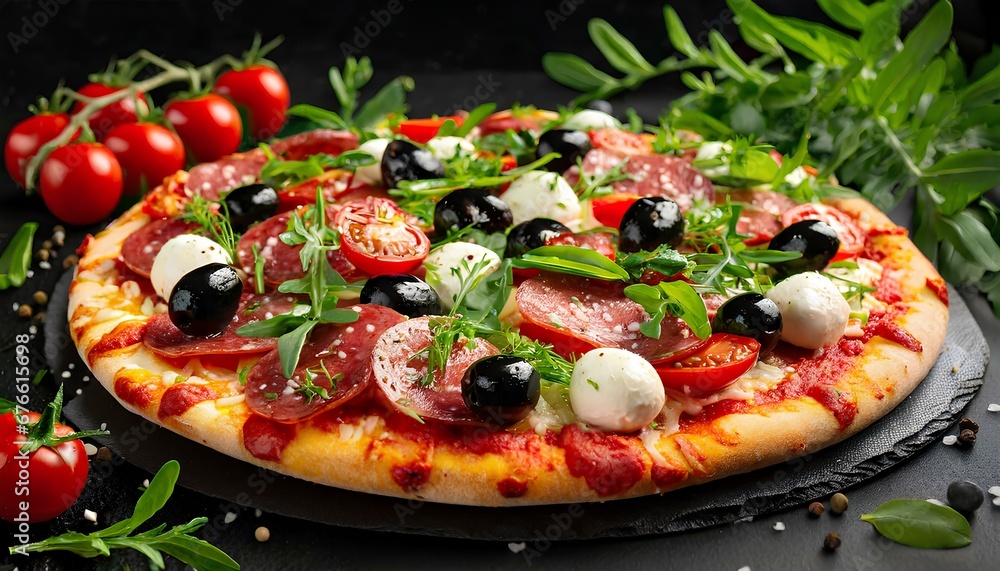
209	125
48	481
148	153
118	113
423	130
378	238
27	137
710	366
262	91
81	183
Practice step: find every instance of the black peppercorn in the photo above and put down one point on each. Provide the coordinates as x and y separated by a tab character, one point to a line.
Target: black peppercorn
967	438
831	542
968	424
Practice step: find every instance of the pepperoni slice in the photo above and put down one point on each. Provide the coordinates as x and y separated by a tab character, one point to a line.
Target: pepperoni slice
303	145
163	338
334	184
399	372
281	260
852	237
141	247
576	315
769	201
601	242
342	350
210	180
652	175
759	225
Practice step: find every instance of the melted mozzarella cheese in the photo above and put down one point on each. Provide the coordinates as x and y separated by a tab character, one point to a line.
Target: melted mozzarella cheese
814	313
590	119
447	147
540	194
460	256
179	256
761	378
615	389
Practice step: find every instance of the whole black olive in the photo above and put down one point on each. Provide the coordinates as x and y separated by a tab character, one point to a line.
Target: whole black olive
600	105
502	389
816	240
569	144
402	160
249	204
750	315
404	293
532	234
205	300
649	223
475	206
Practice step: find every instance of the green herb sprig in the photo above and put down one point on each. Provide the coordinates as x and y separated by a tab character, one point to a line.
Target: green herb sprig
281	173
176	541
16	257
213	219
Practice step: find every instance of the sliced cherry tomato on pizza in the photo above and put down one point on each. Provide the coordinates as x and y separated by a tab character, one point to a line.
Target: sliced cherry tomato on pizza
107	118
620	141
148	153
81	183
262	91
711	366
609	209
378	238
27	137
852	237
423	130
209	125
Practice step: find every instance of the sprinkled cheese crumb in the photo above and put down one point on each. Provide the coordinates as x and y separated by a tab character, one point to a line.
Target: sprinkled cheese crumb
779	526
341	354
517	547
370	328
230	517
949	440
350	329
90	515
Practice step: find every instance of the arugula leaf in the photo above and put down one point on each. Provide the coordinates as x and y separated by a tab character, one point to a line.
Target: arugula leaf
620	52
474	118
921	524
963	177
572	260
664	260
16	257
677	298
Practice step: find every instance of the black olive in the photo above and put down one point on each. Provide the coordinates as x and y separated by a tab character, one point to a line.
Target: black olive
649	223
205	300
965	496
475	206
569	144
404	293
402	160
502	389
600	105
532	234
249	204
750	315
816	240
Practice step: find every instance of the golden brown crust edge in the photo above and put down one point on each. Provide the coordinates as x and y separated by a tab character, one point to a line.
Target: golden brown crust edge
731	444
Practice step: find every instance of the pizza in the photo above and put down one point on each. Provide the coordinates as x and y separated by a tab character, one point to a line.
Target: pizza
548	309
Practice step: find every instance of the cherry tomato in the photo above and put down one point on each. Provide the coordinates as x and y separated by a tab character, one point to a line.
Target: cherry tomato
262	91
27	137
709	366
852	237
423	130
378	238
120	112
209	126
148	153
81	183
52	477
610	208
620	141
519	120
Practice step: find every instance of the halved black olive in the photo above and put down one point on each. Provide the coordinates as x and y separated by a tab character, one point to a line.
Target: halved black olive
475	206
404	293
649	223
250	204
205	300
816	240
502	389
569	144
750	315
402	160
532	234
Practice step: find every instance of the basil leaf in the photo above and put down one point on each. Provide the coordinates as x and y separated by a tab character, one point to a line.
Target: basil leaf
572	260
963	177
921	524
574	72
16	257
620	53
152	500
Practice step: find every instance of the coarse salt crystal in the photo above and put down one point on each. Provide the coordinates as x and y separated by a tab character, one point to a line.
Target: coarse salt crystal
994	491
744	568
71	366
779	526
90	515
994	407
90	448
230	517
341	354
145	483
44	265
996	501
32	330
104	426
79	391
86	378
66	374
370	328
949	440
517	547
350	329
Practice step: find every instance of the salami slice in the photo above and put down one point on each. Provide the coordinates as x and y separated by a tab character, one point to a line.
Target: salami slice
341	350
767	200
400	369
760	225
211	180
163	338
651	175
334	183
281	260
141	247
298	147
576	315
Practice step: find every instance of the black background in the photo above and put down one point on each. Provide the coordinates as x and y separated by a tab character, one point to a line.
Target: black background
450	49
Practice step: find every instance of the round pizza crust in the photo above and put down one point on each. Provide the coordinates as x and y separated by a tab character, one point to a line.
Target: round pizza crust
362	454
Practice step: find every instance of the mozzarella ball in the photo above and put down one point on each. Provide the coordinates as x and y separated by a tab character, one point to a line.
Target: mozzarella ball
590	119
372	174
615	390
540	194
460	256
447	147
814	314
179	256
